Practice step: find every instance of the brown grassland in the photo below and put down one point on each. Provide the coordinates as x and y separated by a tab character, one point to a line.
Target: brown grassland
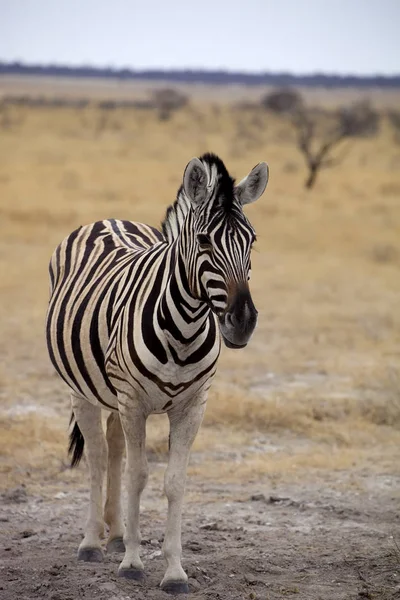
317	391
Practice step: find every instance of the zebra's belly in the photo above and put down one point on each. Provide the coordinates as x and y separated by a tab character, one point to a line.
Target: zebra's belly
162	399
155	399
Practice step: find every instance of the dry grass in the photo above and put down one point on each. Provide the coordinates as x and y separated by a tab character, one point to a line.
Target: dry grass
339	421
324	362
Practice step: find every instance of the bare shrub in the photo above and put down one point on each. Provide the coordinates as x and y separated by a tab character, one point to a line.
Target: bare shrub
167	101
108	105
318	134
5	121
384	253
394	120
139	104
10	117
246	105
16	100
45	101
359	120
283	101
103	121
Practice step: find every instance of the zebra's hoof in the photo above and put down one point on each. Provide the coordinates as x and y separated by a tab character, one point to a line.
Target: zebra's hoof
175	587
135	574
116	545
90	554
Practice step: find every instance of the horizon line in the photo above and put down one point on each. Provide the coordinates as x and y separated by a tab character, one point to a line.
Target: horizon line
208	70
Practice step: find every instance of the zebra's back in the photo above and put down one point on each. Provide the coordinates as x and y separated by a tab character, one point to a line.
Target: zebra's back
88	271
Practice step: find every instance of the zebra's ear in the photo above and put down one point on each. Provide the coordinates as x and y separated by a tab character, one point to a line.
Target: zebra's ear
253	186
195	181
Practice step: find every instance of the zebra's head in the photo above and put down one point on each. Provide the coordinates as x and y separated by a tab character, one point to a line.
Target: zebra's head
219	256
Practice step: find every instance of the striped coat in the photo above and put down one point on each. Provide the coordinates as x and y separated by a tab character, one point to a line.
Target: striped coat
134	326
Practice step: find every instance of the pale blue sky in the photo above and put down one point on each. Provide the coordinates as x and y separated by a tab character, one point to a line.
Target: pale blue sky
301	36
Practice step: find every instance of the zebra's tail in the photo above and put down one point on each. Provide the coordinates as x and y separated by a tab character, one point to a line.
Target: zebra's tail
76	443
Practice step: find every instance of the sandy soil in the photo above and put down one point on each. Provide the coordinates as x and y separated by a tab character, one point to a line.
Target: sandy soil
321	540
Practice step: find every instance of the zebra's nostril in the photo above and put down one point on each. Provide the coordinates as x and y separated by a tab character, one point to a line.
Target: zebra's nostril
229	319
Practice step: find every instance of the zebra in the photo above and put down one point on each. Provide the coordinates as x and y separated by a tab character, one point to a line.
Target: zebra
134	326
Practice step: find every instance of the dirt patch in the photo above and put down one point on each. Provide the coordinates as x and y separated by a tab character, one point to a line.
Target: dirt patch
307	540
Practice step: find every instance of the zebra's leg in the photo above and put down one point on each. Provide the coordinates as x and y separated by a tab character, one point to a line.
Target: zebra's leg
134	426
88	418
113	508
183	429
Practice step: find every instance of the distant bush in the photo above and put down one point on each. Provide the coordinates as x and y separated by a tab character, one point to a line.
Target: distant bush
246	105
10	116
168	101
394	119
140	104
115	104
107	104
359	120
45	102
165	101
283	101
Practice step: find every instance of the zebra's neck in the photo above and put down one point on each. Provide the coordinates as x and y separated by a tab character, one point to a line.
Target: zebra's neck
186	321
175	217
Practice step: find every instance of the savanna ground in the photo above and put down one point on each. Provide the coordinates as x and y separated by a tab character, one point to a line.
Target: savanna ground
293	486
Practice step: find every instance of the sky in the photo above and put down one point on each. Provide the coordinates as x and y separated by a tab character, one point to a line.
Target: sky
359	37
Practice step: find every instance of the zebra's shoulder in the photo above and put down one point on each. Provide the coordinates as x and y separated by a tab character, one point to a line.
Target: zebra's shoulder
132	235
109	234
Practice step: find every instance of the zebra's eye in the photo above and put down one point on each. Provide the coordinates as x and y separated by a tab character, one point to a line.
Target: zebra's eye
204	240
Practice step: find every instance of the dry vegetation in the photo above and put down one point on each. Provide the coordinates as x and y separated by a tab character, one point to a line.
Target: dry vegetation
319	385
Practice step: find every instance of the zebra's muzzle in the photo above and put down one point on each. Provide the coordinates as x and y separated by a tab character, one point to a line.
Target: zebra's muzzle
229	344
239	320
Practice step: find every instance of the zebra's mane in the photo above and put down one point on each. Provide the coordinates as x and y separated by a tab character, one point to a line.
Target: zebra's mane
223	185
175	216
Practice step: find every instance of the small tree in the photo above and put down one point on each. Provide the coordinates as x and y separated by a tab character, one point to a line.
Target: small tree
283	101
319	133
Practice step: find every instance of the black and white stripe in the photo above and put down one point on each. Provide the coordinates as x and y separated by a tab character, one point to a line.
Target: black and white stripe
134	326
129	303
